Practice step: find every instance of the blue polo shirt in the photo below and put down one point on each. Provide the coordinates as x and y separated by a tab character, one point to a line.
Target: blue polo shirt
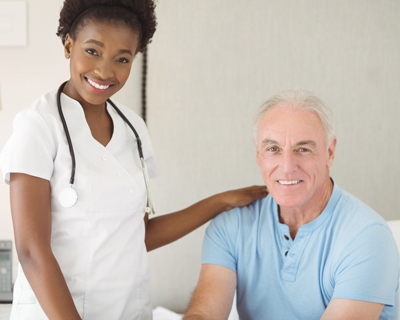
347	252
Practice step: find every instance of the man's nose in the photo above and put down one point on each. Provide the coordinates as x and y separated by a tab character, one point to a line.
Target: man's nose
289	162
104	70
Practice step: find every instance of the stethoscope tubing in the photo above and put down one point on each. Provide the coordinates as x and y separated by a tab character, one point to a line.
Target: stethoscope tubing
149	206
64	123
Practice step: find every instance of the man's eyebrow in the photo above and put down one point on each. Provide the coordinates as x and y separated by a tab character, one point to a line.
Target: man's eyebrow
306	143
101	44
298	144
268	142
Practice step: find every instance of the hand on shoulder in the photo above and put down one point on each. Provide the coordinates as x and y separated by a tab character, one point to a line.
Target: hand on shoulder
244	196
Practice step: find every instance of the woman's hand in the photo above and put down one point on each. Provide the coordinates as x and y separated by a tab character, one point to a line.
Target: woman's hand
244	196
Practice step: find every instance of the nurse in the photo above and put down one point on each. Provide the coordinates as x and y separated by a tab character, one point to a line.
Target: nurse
88	260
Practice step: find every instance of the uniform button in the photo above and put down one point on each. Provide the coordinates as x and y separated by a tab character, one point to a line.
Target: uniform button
286	253
132	191
286	237
104	158
120	173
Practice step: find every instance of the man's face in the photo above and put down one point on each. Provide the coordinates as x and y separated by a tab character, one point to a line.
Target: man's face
293	156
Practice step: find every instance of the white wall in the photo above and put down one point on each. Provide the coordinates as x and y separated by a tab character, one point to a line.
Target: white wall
211	64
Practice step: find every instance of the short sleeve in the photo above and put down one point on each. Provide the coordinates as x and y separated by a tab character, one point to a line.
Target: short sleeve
369	267
219	244
30	150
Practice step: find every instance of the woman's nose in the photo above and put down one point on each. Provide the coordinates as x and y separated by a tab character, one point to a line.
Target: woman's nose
104	70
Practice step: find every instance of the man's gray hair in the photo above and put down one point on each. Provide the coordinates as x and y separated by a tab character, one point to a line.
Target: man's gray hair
299	99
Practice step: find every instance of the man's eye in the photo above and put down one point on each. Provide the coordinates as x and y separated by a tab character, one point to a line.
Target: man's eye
272	149
304	150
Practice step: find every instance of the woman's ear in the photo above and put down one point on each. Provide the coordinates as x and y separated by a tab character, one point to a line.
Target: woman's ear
68	46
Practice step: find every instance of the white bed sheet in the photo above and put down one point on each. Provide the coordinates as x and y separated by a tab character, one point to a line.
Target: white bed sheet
159	313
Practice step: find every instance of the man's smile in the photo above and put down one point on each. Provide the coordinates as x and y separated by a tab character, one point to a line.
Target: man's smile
289	182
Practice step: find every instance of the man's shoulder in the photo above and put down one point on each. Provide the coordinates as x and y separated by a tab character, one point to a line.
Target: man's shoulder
352	218
253	213
349	207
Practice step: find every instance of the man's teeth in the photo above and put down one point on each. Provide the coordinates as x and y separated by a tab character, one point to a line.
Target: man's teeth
289	181
96	85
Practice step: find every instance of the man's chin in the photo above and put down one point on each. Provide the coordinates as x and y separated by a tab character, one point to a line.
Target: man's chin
287	201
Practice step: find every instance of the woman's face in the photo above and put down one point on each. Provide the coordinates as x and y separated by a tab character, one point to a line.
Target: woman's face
101	59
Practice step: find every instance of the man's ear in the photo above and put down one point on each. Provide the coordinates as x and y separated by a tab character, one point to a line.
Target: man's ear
331	152
68	43
258	158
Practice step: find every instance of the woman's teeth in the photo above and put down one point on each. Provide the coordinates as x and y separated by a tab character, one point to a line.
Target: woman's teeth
289	181
96	85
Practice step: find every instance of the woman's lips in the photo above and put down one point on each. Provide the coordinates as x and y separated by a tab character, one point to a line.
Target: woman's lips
98	87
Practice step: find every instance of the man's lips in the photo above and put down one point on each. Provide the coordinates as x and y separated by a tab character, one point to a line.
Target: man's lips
289	182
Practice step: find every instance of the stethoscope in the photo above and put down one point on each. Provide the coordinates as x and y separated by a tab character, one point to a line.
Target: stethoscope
68	196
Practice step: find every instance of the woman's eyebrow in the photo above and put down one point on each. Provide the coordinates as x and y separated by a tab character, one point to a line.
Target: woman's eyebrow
101	44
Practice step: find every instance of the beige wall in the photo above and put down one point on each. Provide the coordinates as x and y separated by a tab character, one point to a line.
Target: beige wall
211	65
214	62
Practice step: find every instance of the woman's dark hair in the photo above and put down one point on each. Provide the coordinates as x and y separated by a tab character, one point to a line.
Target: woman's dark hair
139	15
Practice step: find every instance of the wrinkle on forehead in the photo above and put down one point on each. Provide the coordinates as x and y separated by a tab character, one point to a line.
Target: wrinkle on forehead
298	127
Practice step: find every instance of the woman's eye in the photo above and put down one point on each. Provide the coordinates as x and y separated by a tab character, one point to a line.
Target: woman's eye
92	52
123	60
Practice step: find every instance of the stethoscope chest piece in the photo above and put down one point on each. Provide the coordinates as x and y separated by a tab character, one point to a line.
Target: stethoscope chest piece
67	197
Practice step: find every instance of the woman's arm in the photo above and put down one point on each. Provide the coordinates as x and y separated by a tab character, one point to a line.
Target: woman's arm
168	228
31	215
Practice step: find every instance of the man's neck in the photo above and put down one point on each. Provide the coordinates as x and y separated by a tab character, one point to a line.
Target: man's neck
296	217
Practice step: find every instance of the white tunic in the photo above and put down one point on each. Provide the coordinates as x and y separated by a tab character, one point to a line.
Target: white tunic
98	243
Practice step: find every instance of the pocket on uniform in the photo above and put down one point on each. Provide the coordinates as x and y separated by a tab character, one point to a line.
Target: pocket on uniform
33	311
27	311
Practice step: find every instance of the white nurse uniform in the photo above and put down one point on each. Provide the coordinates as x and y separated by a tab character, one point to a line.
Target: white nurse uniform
98	243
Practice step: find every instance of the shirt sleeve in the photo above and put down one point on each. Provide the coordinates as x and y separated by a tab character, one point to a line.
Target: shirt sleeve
30	149
369	267
219	244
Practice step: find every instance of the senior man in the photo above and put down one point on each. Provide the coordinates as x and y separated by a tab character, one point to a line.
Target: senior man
310	250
